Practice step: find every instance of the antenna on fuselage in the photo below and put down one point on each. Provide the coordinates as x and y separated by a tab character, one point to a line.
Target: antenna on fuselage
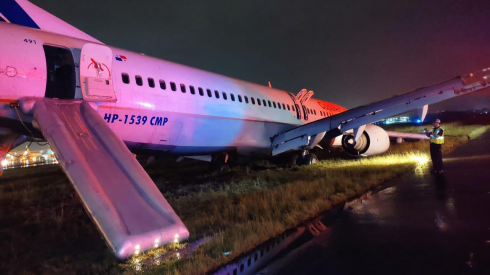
270	85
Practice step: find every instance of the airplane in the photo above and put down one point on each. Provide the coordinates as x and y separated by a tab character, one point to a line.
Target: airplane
96	105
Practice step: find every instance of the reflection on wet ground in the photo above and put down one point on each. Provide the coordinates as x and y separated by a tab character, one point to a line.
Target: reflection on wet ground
422	224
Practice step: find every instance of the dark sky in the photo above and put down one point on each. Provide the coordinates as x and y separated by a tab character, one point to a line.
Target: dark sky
348	52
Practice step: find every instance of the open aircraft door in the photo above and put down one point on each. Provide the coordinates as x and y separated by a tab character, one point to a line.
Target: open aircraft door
96	73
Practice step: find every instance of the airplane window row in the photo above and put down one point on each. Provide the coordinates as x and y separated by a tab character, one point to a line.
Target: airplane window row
209	93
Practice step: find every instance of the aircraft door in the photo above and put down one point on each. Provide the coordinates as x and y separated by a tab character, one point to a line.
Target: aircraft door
60	72
96	73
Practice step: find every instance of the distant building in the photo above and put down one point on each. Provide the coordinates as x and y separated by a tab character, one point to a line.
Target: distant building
397	120
482	111
20	159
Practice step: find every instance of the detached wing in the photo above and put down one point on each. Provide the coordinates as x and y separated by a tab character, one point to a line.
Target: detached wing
356	118
119	196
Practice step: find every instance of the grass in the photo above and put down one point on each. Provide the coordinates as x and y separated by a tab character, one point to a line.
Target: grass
46	230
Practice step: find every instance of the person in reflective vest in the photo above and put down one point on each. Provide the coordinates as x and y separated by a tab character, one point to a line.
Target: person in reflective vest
436	141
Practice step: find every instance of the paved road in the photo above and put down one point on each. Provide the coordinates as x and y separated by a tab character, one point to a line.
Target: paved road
422	224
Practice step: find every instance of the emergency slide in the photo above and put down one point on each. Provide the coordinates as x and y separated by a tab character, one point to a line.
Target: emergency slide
122	200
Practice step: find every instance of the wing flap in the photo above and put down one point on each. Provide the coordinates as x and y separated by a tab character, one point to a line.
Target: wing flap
120	197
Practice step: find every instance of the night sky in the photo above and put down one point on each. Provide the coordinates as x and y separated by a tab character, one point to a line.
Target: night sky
348	52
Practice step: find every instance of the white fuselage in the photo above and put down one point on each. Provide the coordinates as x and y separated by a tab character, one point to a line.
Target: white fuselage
160	117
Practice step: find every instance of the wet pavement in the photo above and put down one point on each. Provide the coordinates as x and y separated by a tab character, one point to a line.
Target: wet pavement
421	224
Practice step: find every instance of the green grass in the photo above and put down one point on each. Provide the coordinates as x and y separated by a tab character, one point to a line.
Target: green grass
250	211
44	228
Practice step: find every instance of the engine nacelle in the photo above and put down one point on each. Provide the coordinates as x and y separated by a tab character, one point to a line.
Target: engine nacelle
374	140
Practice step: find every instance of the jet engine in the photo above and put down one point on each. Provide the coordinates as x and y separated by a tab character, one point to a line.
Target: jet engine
374	140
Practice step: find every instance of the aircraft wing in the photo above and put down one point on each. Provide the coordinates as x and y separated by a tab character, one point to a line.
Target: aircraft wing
357	118
392	134
122	200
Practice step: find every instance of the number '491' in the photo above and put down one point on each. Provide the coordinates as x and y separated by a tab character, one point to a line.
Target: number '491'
30	41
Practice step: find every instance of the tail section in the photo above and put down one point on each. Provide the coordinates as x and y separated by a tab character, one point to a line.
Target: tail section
22	12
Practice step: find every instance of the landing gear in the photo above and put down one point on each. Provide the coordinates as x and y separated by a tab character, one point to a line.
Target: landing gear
293	161
306	158
310	159
219	162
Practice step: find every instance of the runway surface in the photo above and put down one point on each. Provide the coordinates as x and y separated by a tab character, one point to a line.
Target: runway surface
418	224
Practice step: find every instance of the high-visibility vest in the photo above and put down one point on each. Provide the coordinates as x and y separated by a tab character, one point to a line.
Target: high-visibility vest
440	139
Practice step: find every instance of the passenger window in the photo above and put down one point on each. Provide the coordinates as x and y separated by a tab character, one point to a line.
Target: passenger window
201	91
289	109
216	94
232	97
258	101
253	100
284	106
314	111
182	88
265	103
163	86
274	104
278	105
139	80
209	93
125	78
270	105
151	82
173	87
193	91
246	99
240	98
224	96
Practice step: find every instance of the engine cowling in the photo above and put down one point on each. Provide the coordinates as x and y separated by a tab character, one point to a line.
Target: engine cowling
373	141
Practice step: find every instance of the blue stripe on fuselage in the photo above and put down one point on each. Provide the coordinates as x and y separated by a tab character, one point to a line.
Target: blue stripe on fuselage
15	14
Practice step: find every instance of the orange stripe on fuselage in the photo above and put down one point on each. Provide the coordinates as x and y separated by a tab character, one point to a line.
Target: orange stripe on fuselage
8	100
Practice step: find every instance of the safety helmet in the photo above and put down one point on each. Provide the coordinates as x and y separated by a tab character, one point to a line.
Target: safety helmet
438	121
